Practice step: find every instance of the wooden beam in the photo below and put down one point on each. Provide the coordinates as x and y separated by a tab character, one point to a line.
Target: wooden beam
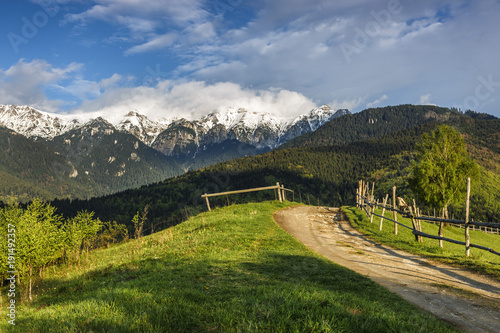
467	237
208	203
395	206
383	211
239	191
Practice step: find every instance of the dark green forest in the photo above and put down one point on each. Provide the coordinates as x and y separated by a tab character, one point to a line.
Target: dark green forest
372	123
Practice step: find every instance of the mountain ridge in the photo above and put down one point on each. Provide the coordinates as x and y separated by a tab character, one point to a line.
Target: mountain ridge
262	130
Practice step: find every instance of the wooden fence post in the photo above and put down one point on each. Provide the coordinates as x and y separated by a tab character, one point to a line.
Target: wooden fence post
467	237
366	196
371	213
394	205
360	186
441	227
372	210
279	191
208	203
383	211
413	222
418	224
363	189
358	190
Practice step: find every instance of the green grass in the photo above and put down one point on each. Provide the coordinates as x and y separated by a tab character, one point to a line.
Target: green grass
229	270
480	260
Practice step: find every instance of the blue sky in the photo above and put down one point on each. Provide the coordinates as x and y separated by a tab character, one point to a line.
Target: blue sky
169	58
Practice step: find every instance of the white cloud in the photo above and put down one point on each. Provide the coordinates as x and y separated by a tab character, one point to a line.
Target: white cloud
27	82
425	100
24	83
351	104
178	11
141	19
194	99
89	90
377	101
156	43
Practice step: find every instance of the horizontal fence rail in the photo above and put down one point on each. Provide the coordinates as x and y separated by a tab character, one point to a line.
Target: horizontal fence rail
280	188
239	191
432	219
367	203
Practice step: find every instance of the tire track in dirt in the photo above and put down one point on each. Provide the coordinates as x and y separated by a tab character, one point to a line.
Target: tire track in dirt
464	299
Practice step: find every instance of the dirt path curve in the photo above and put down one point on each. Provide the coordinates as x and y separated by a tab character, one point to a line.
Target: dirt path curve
466	300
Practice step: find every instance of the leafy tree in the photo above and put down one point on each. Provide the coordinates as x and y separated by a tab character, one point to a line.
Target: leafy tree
81	233
39	239
139	222
111	233
438	177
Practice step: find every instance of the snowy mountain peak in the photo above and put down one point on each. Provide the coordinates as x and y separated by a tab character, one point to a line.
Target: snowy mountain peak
141	127
30	122
231	118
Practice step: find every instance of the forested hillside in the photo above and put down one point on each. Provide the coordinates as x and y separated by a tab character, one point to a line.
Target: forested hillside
324	174
26	169
372	123
82	163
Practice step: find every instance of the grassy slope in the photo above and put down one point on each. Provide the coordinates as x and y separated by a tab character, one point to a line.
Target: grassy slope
480	260
231	270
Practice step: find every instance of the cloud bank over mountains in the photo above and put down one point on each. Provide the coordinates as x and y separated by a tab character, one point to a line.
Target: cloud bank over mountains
281	56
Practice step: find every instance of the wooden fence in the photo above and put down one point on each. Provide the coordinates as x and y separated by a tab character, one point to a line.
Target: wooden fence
281	192
365	200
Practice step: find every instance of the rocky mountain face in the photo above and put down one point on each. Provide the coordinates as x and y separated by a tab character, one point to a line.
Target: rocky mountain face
141	127
264	131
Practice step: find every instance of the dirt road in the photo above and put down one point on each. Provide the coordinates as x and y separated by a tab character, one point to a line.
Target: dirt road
464	299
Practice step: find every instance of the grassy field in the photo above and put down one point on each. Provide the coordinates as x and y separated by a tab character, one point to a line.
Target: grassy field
229	270
480	260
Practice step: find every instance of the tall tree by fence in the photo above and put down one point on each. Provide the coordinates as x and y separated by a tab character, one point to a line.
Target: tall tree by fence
438	177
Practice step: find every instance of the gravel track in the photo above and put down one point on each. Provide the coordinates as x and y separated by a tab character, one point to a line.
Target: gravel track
464	299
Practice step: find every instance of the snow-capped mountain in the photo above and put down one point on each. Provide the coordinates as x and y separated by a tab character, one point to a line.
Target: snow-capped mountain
30	122
179	136
261	130
141	127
